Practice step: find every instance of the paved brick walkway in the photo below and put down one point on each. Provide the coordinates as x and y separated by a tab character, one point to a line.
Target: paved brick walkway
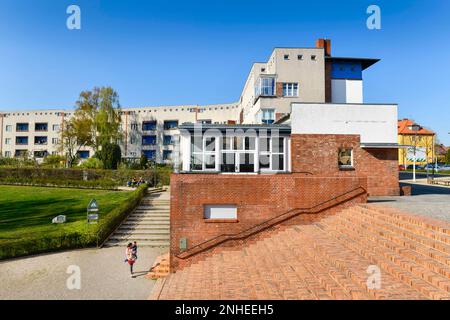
328	259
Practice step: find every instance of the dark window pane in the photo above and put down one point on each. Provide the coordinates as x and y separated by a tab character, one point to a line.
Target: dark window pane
246	162
228	162
277	145
249	143
277	162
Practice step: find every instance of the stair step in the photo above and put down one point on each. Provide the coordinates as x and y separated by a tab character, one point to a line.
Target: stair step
121	231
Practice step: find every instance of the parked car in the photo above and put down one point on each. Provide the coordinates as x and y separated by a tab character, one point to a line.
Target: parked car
401	167
431	166
411	167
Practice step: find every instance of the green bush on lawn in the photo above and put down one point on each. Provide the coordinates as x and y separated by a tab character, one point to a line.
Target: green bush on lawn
93	236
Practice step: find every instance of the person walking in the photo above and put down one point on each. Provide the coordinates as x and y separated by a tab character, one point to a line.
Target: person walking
135	249
130	257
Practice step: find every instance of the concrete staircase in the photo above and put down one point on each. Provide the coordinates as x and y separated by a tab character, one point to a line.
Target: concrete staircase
328	259
148	224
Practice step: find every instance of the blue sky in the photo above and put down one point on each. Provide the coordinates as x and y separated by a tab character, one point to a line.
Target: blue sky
160	52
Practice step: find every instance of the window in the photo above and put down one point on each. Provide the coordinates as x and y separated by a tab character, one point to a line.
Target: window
8	154
290	89
345	158
150	154
148	125
40	154
167	140
170	124
22	140
148	140
21	153
22	127
8	141
286	57
263	69
41	126
299	57
40	140
56	127
313	57
55	141
167	154
218	211
203	151
134	126
265	86
268	116
83	154
8	128
238	154
271	154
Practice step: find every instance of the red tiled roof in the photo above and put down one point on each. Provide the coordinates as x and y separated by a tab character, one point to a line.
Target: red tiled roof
404	128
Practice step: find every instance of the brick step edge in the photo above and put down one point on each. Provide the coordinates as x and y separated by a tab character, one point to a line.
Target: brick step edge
157	289
160	268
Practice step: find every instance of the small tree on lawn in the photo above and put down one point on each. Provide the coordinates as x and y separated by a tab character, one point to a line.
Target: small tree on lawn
143	162
110	155
74	136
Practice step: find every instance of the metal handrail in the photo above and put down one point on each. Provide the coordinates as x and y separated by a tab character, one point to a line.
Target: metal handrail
267	224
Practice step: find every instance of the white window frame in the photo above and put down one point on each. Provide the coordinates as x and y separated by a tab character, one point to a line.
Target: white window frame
203	153
290	89
8	128
352	163
8	141
271	153
237	153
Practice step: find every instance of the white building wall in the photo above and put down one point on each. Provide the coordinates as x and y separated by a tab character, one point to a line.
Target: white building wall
373	122
346	91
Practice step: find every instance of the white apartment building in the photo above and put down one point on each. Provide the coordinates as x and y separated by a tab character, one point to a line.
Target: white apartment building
291	75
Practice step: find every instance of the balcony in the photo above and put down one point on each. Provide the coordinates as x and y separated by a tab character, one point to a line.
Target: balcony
168	140
265	86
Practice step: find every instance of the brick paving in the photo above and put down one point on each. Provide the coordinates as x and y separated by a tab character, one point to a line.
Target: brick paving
327	259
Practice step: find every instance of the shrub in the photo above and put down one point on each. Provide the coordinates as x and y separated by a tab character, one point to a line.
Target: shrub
143	162
54	161
91	163
110	155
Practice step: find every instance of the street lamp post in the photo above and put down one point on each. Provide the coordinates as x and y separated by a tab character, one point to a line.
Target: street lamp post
415	127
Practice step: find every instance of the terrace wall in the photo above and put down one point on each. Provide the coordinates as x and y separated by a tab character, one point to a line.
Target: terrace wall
258	198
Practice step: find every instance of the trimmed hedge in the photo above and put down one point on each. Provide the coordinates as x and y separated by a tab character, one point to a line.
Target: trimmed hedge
74	240
87	178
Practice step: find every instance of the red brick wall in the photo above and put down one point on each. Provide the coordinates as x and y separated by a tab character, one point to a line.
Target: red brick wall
257	197
317	154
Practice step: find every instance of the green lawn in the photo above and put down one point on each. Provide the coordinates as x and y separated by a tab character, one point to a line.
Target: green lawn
26	212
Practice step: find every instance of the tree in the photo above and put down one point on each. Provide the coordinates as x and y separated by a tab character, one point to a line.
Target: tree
98	111
447	156
96	121
143	162
74	136
110	155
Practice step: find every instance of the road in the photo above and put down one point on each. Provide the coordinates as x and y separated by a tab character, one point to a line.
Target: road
103	275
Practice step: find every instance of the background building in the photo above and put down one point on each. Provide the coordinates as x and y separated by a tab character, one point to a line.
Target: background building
290	75
423	140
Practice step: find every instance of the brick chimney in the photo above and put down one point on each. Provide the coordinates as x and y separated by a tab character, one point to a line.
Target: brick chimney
326	44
